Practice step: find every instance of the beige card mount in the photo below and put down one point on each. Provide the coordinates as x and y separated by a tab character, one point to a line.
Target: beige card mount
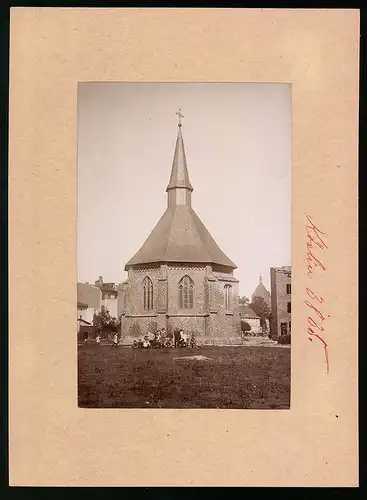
52	441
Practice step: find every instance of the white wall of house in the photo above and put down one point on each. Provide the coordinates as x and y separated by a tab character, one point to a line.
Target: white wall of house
111	305
254	323
87	314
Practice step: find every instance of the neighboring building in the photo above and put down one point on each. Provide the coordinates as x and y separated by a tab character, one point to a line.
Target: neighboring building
121	297
89	301
85	330
281	304
109	296
262	292
180	278
248	315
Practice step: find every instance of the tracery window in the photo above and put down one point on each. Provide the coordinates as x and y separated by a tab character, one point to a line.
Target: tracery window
186	293
227	297
148	293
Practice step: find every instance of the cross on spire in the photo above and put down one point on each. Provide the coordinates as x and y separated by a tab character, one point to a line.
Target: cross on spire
180	115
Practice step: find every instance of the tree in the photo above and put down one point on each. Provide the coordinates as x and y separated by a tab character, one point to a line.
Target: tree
245	327
261	308
105	325
263	322
244	301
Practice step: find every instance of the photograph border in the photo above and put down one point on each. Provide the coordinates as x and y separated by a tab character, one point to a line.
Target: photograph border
52	442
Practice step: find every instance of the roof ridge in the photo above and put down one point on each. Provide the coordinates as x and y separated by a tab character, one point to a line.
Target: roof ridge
172	210
213	240
199	234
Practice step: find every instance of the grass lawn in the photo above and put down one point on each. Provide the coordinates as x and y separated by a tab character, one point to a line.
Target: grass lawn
234	377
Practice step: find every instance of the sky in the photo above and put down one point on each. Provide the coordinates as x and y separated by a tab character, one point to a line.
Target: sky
237	139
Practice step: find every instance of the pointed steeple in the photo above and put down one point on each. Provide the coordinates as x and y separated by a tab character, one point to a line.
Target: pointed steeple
180	235
179	188
262	292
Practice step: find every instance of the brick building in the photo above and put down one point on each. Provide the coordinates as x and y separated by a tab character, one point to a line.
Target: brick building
281	304
180	278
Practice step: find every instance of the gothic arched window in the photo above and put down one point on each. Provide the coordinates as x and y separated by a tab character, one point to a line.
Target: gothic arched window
227	297
148	293
186	293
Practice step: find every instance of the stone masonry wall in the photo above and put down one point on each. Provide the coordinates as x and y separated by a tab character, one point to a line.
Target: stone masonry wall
197	274
280	299
188	319
228	322
135	296
207	318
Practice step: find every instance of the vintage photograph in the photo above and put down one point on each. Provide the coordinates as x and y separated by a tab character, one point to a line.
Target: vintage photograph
184	245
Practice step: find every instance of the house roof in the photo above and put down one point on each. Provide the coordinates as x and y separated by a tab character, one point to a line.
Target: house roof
180	236
108	286
81	320
247	312
82	305
89	295
224	277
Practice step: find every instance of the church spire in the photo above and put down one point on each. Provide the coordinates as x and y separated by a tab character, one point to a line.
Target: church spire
179	188
179	174
261	279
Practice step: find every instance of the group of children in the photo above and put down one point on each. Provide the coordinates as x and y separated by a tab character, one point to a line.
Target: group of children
182	338
160	338
98	340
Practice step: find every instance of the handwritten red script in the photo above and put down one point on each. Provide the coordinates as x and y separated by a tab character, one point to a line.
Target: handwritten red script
315	244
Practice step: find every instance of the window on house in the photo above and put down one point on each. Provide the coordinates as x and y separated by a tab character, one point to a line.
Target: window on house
289	307
148	293
290	324
288	288
227	297
186	293
283	328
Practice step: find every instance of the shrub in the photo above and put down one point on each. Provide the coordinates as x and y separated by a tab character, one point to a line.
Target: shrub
245	327
284	339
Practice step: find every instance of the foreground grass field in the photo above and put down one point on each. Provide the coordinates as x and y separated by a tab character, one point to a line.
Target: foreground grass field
234	377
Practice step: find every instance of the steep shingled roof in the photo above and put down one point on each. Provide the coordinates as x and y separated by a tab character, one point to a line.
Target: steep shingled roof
247	312
180	236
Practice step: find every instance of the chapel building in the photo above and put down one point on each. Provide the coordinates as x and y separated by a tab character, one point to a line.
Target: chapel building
180	278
